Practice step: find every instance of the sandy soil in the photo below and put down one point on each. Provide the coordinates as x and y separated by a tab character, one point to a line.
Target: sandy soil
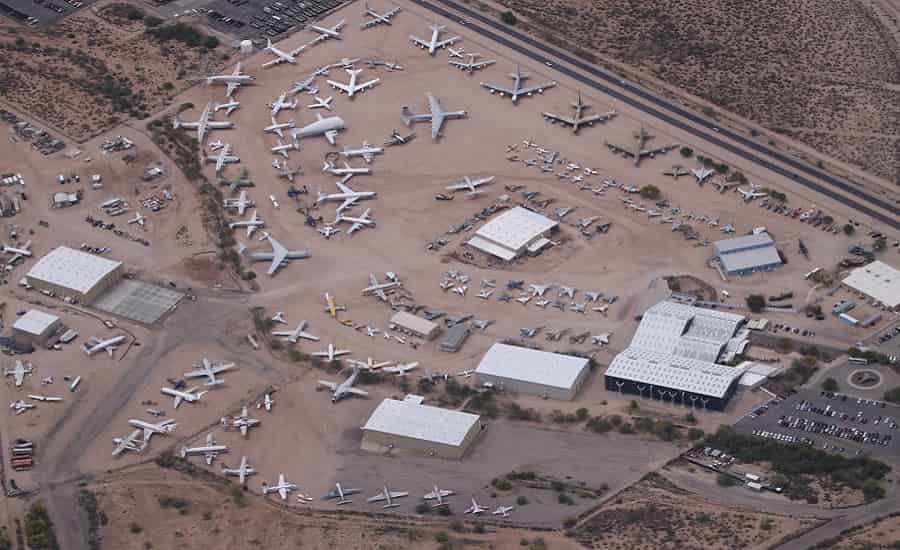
881	534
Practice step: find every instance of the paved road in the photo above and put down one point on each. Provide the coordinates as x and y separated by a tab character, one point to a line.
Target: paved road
609	84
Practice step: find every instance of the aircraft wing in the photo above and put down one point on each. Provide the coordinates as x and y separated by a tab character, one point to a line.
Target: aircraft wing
445	43
437	120
330	135
378	498
372	280
651	152
232	86
356	391
279	253
420	42
339	86
344	187
500	89
330	385
532	89
347	204
563	119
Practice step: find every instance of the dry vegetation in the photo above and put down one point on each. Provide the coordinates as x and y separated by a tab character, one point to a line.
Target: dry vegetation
881	534
822	71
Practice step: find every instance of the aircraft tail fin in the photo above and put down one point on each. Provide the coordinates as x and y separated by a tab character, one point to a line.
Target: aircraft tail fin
406	114
176	122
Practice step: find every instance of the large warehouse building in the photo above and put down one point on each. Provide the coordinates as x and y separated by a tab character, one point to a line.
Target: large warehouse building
74	274
411	426
747	254
36	327
524	370
878	281
675	355
514	233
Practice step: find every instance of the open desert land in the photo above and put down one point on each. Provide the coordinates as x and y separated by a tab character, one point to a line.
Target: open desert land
883	533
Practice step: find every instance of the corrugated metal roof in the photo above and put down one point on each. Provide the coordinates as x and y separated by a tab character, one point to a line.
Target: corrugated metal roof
739	243
878	280
677	373
750	259
529	365
515	228
72	269
411	419
412	322
35	321
685	331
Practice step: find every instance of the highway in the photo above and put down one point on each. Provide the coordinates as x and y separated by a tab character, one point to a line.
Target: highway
819	181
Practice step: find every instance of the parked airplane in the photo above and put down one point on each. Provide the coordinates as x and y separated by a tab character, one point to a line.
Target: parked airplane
328	32
21	406
437	115
282	487
539	290
389	496
138	219
279	255
229	107
676	171
18	373
207	369
284	149
209	451
109	345
190	395
379	289
378	18
503	511
471	65
241	472
345	388
306	85
281	103
475	508
222	158
471	185
241	203
341	494
358	222
327	127
347	195
17	252
347	170
282	56
401	369
456	53
433	44
267	402
369	364
637	152
396	138
321	103
132	442
251	224
517	90
352	88
242	422
579	119
439	495
701	174
330	354
149	428
366	151
300	332
752	193
232	81
278	127
203	124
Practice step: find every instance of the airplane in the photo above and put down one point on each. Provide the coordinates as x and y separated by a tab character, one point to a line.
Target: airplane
437	115
283	149
331	353
366	151
149	428
347	170
401	369
109	345
21	407
579	119
209	451
232	81
461	290
566	291
637	152
241	472
539	290
377	288
601	339
132	442
285	171
397	139
17	252
203	124
281	103
305	85
485	294
207	369
345	388
676	171
525	299
702	173
391	67
191	395
282	487
456	53
369	364
578	307
475	508
433	44
358	222
438	495
471	66
724	186
471	185
281	56
388	496
728	228
327	127
503	511
341	494
243	422
277	257
328	231
517	89
378	18
18	373
347	195
752	193
321	103
138	219
251	224
229	107
267	402
468	373
351	88
241	203
222	158
277	127
328	32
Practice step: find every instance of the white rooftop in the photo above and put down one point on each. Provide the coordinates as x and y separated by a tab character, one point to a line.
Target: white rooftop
411	419
72	269
529	365
35	322
677	373
686	331
515	228
878	280
734	244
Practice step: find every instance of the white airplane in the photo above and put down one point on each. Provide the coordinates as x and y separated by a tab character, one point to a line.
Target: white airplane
306	85
267	402
209	451
752	193
637	151
282	487
281	103
232	81
701	174
321	103
329	32
345	388
109	345
207	369
475	508
327	127
369	364
17	252
284	149
278	127
396	138
503	511
241	472
358	222
456	53
282	56
433	44
21	407
341	494
328	231
241	203
378	18
351	88
579	119
377	288
229	107
138	219
439	495
202	124
242	422
149	428
347	170
300	332
366	151
331	353
131	442
222	158
401	369
278	257
437	115
251	224
470	184
471	65
388	496
347	195
18	373
279	318
676	171
190	395
517	90
539	290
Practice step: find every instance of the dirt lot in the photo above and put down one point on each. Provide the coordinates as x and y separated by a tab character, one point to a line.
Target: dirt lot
884	533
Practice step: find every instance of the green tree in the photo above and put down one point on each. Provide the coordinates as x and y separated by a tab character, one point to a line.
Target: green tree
756	302
726	480
687	152
849	229
830	384
509	17
650	192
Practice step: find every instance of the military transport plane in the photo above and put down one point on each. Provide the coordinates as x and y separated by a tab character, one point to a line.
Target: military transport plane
241	472
347	195
437	115
207	369
358	222
232	81
327	127
278	257
293	336
202	124
278	127
132	442
341	494
352	88
378	289
637	152
471	185
283	487
366	151
251	224
471	66
328	32
579	119
345	388
517	89
209	451
18	373
378	18
386	495
433	44
282	56
223	157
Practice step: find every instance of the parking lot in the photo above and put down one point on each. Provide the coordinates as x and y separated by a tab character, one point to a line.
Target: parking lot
833	422
40	12
265	18
888	343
